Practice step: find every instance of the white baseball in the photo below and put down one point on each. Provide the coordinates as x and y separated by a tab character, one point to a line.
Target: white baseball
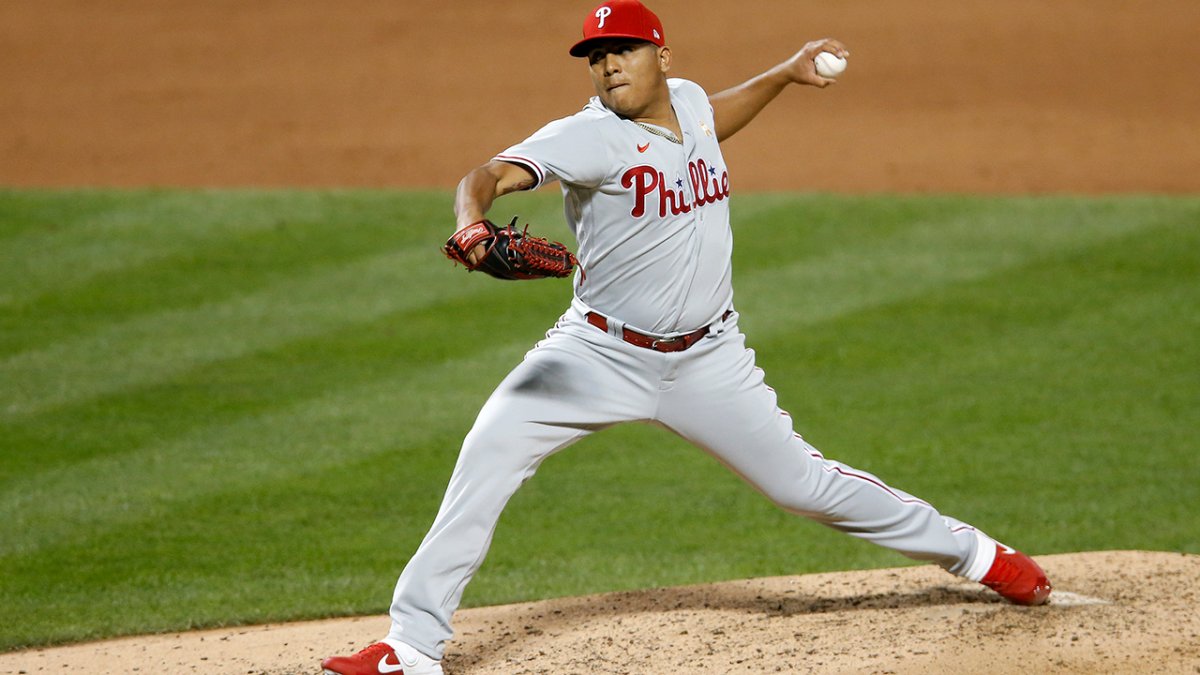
829	65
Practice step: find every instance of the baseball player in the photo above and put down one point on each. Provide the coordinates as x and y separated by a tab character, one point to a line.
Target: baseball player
651	334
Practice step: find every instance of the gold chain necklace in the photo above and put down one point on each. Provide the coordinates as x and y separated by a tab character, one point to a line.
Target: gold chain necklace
659	132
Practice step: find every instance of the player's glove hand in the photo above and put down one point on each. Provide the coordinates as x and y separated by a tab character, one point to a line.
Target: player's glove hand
509	254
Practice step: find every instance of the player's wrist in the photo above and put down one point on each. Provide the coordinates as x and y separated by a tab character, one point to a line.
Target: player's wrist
465	221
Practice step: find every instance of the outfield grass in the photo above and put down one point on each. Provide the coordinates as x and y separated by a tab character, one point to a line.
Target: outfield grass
231	406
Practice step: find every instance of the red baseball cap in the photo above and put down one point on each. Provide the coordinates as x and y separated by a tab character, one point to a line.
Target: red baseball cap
619	19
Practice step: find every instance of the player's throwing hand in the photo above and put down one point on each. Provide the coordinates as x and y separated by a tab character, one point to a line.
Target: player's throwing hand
801	69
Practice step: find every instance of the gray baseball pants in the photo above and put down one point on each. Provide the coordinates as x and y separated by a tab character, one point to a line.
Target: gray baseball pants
580	380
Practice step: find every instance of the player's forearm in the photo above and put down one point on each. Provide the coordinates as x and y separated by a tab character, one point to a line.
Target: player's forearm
733	108
476	193
478	190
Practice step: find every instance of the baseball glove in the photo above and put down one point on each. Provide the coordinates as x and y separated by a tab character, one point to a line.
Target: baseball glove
509	254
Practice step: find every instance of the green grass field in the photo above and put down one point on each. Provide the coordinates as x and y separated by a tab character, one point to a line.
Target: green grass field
232	407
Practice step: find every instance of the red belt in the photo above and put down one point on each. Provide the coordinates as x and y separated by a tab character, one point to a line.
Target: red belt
671	344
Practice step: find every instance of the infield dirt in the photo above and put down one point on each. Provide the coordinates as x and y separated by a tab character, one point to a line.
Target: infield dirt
1023	96
1077	96
1111	612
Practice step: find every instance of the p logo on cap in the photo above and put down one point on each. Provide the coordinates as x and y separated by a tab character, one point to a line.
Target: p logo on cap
619	19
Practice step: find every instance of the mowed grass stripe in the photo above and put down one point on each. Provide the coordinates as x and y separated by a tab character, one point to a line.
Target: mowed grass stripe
206	272
1039	295
55	241
1071	383
389	413
327	540
154	347
386	404
948	245
231	389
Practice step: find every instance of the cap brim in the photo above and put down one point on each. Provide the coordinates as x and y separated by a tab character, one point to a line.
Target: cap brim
584	46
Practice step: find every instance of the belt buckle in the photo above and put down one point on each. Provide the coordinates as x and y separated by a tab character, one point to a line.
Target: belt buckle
665	341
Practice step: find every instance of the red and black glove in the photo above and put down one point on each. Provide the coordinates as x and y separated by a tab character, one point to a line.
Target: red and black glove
509	254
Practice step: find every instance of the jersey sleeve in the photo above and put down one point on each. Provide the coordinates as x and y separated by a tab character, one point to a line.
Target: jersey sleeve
570	150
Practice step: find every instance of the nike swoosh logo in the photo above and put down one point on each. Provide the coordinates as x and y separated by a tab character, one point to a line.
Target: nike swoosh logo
385	667
643	148
1008	550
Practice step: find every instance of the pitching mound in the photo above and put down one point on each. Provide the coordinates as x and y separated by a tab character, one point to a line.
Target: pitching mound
1112	612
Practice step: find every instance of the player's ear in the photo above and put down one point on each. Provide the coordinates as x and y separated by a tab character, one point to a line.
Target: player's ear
664	59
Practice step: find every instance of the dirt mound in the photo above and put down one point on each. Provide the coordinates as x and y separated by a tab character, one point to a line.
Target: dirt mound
1112	612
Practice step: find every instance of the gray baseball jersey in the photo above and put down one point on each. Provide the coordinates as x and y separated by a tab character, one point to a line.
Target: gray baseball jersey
651	216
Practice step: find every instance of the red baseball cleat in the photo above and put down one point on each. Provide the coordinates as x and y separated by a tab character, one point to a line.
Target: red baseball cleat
1017	577
382	659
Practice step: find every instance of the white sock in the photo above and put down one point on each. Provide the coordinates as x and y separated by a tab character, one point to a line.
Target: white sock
985	555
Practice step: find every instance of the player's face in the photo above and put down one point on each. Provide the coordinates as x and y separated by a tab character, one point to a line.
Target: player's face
629	75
